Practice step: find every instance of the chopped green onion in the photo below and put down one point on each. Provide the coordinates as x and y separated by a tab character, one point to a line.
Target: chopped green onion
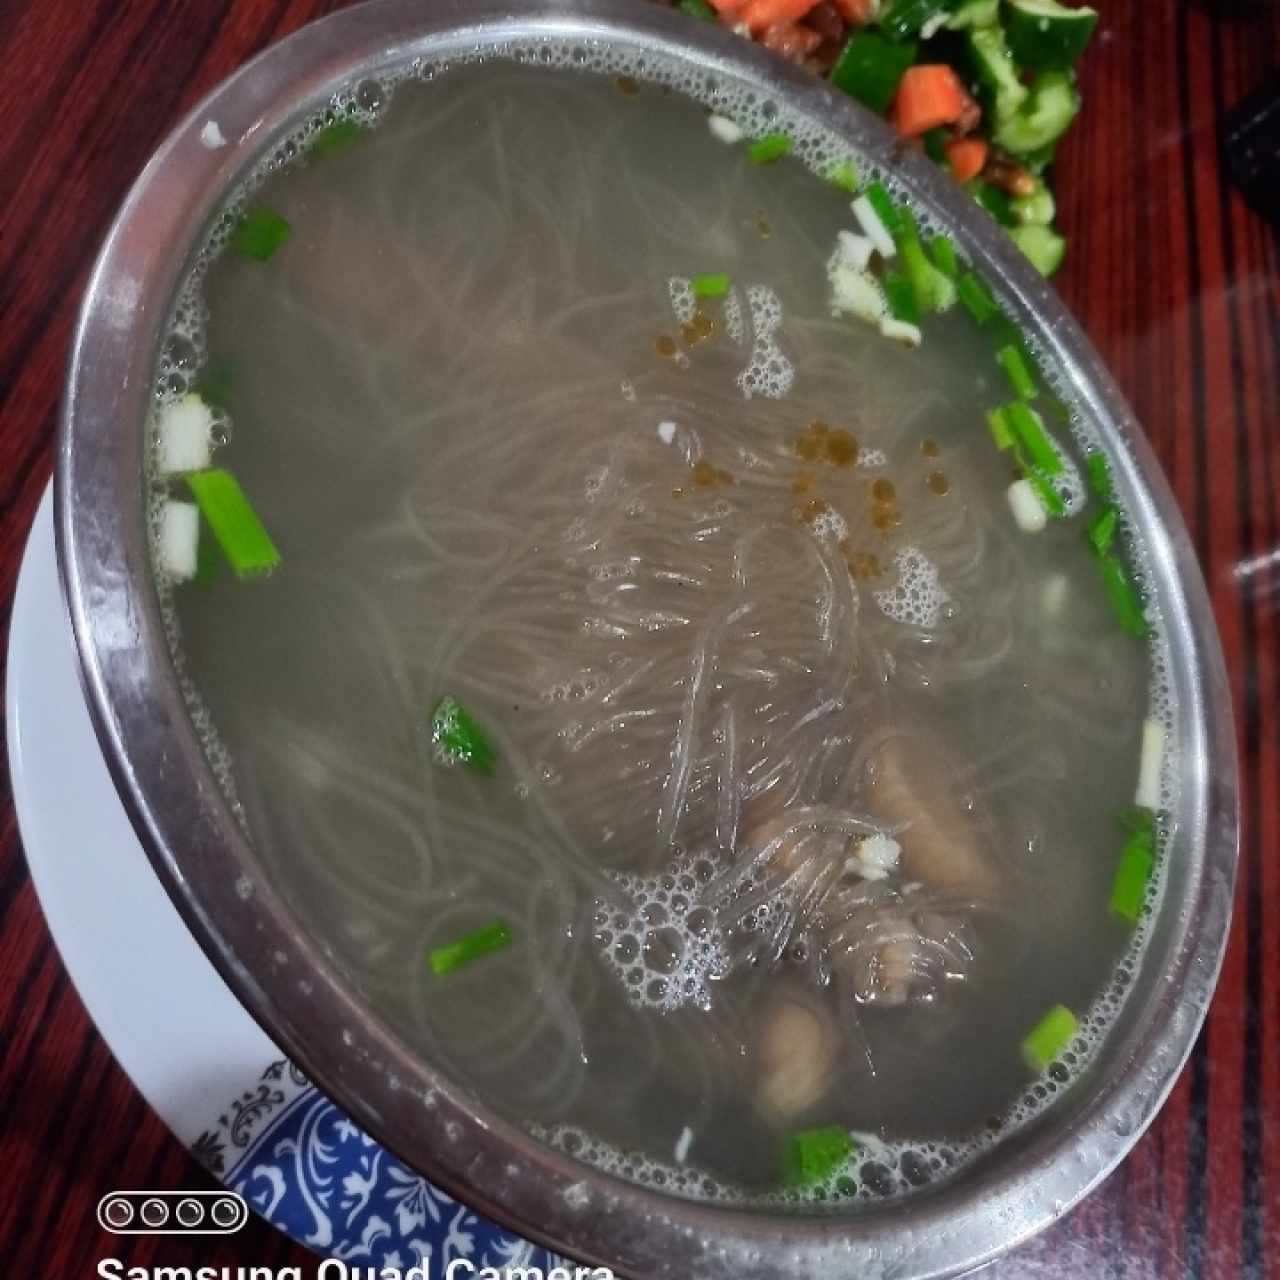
934	290
1099	475
206	559
1101	531
711	286
1029	429
813	1155
489	938
1124	595
458	739
882	202
845	176
215	384
337	137
1129	888
1049	497
1051	1035
1001	432
773	146
870	68
259	234
241	535
977	298
943	252
1136	818
698	9
1018	371
901	296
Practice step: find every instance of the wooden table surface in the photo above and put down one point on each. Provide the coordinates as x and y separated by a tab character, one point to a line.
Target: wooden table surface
1175	279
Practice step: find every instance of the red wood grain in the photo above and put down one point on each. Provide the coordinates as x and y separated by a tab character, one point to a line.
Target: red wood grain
1176	281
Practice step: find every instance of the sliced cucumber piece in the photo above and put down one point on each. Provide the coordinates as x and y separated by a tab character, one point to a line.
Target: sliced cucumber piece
1043	245
903	19
1037	209
1043	118
1040	159
994	67
1044	34
975	13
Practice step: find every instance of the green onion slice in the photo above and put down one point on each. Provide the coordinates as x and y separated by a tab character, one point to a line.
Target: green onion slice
227	511
1029	429
215	384
458	739
1136	818
1018	370
882	202
260	233
337	137
711	286
1049	1038
1001	432
494	936
901	296
1125	599
1099	475
698	9
942	250
844	176
977	298
1049	497
773	146
813	1155
1129	888
1101	530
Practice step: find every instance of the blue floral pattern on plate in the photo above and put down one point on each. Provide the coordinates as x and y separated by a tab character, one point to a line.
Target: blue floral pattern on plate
307	1169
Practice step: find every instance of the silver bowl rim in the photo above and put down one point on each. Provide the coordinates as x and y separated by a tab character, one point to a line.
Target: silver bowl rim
285	978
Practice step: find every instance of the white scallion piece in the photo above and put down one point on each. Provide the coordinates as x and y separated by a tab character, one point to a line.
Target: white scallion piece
1150	766
186	429
857	293
211	135
855	250
666	432
179	539
878	855
900	331
1026	506
683	1143
873	228
725	129
1053	595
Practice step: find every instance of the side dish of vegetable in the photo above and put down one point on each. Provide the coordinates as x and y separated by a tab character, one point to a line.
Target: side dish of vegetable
986	87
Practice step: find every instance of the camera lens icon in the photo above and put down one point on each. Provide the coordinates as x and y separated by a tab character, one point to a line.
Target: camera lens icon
172	1213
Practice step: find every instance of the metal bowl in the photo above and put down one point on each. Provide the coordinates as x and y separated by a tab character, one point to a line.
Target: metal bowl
246	925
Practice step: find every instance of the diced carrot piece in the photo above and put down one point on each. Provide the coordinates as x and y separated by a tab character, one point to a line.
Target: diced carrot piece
929	95
791	40
967	157
760	15
727	8
857	13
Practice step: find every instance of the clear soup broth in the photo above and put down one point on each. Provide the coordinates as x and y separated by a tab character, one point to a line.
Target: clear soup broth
800	758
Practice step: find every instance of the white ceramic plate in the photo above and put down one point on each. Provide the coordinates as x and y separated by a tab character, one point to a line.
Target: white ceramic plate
195	1054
